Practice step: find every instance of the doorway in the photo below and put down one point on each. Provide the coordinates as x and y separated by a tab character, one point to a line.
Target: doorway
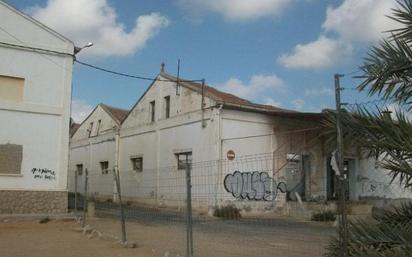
349	169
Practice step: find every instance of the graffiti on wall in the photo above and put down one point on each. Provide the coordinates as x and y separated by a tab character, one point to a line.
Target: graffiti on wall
258	186
45	174
375	188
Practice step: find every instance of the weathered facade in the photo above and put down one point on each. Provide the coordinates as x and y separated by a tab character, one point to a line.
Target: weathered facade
94	148
35	89
258	157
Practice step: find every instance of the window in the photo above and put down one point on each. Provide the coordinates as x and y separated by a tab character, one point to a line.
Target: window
152	111
79	169
11	157
11	89
99	122
182	159
167	106
137	163
90	129
105	167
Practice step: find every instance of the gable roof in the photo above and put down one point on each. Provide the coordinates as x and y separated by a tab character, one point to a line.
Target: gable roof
117	114
228	100
38	23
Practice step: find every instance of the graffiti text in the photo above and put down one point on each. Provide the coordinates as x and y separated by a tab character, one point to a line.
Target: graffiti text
253	186
43	174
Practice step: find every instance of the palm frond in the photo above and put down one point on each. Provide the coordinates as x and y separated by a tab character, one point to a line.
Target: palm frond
376	135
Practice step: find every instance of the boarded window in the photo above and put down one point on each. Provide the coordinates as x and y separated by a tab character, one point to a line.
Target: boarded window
137	163
105	167
11	89
11	157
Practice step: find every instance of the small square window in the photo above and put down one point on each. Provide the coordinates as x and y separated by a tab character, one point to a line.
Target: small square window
104	167
137	164
79	169
183	159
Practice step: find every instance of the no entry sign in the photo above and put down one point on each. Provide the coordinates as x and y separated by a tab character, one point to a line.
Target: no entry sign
230	155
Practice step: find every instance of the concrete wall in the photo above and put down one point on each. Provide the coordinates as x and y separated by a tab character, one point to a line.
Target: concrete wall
39	122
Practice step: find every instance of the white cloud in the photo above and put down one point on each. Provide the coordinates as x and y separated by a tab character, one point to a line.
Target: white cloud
80	110
256	88
324	91
322	53
361	21
237	10
96	21
298	104
352	21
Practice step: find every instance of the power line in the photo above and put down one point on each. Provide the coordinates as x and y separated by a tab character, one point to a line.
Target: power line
131	75
39	51
43	50
34	49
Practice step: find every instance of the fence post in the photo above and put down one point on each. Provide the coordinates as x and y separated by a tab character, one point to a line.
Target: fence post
75	193
119	195
86	178
189	221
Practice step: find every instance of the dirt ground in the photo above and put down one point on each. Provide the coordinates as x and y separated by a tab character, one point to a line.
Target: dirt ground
28	238
57	238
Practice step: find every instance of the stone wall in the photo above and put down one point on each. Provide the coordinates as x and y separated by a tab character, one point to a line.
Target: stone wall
33	202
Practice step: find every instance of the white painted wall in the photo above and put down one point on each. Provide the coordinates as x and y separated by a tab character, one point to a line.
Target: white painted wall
41	121
90	151
374	182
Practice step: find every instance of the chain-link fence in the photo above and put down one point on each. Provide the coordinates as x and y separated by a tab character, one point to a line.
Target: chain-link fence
263	204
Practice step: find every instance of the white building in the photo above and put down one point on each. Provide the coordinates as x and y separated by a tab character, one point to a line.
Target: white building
35	90
258	157
94	147
171	122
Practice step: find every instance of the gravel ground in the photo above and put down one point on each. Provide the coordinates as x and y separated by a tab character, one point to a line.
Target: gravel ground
163	234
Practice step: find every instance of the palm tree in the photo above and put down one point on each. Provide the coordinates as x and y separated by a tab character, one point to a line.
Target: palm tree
387	74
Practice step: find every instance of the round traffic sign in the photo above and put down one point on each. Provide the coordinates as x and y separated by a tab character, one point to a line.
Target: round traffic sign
230	155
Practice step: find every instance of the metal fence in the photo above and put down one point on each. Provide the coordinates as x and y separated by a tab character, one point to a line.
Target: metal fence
245	207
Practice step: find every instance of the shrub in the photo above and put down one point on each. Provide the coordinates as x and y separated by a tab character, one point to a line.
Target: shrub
324	216
227	212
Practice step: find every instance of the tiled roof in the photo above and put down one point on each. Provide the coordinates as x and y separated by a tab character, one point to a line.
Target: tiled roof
118	114
229	100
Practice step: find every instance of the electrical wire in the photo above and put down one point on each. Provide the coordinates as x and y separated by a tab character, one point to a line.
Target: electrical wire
42	50
130	75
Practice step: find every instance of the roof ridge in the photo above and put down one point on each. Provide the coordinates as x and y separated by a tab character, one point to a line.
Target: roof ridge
113	107
118	114
225	97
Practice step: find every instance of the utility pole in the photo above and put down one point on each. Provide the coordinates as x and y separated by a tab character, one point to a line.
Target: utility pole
341	176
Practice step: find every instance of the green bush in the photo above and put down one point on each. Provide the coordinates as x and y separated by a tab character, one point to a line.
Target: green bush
324	216
229	212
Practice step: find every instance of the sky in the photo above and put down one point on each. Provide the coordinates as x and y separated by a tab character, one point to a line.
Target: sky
279	52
